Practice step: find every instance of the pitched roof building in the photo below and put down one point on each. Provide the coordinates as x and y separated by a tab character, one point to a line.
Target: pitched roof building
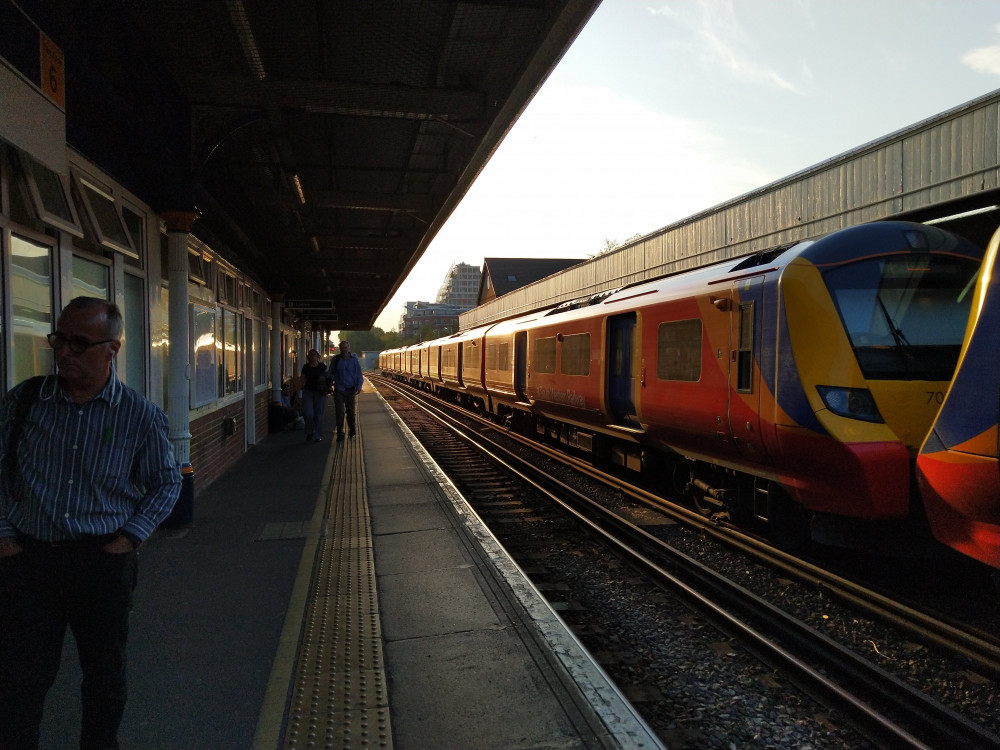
503	275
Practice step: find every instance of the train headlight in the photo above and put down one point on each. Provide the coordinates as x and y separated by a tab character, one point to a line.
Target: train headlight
854	403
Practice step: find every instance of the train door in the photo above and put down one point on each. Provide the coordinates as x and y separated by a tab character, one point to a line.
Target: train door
521	365
621	378
745	319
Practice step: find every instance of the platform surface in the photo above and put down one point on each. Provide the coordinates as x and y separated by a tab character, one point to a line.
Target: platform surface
342	595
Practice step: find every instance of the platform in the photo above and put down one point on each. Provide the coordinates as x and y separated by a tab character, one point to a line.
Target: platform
343	595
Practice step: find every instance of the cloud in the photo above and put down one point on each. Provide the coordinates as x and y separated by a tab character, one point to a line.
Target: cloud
663	10
727	45
984	60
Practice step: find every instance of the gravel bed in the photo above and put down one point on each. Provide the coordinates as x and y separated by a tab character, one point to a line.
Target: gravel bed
951	681
691	685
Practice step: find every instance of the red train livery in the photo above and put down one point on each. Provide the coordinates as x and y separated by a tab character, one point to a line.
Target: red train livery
791	385
957	468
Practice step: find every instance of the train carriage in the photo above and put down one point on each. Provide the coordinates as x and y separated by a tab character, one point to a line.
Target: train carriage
790	385
431	372
422	372
505	367
564	366
461	368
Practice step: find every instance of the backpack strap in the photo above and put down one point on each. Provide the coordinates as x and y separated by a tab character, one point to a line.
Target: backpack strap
25	398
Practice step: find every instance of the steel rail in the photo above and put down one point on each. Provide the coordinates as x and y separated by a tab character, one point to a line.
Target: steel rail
980	650
940	725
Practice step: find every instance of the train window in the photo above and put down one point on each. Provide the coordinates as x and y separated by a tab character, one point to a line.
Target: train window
678	350
503	356
470	357
575	354
498	356
545	354
905	315
448	358
744	361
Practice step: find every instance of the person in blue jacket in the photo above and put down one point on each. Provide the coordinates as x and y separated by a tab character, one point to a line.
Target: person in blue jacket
347	383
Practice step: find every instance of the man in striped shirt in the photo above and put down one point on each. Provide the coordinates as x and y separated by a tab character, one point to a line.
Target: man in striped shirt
94	475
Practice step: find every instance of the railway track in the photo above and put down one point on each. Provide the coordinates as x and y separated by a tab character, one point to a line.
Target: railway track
847	684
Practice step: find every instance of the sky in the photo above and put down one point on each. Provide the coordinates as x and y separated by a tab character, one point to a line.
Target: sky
660	110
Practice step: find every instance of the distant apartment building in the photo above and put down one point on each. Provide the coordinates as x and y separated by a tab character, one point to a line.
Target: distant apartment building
425	320
460	287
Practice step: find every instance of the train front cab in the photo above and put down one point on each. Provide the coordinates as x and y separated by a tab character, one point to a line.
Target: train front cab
958	470
873	319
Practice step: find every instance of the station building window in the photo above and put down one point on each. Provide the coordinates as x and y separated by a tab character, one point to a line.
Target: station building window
90	279
105	222
132	359
31	297
49	194
261	356
204	385
231	348
199	268
135	225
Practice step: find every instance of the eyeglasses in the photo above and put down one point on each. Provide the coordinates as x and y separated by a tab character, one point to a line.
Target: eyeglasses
76	344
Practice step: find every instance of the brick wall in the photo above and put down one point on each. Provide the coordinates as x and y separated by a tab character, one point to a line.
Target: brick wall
261	404
212	450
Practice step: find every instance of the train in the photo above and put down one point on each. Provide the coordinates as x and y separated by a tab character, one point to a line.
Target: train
957	467
789	388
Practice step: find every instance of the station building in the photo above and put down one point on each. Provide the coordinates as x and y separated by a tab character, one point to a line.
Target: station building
243	179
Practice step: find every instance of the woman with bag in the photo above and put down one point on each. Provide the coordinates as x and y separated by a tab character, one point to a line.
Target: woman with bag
315	386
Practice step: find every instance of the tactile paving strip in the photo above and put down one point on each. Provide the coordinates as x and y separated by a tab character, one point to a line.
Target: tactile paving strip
340	696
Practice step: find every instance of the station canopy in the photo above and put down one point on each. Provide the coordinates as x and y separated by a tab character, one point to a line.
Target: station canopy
323	143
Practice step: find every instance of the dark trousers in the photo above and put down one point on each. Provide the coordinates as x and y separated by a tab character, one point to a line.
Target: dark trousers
313	406
42	590
344	403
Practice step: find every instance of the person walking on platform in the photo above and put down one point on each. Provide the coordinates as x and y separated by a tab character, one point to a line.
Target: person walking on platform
347	383
88	474
315	386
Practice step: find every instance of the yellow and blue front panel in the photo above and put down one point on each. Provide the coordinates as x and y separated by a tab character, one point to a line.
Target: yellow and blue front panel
957	469
868	327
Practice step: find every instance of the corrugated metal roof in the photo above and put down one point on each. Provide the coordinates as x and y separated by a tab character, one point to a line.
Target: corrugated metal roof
945	165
